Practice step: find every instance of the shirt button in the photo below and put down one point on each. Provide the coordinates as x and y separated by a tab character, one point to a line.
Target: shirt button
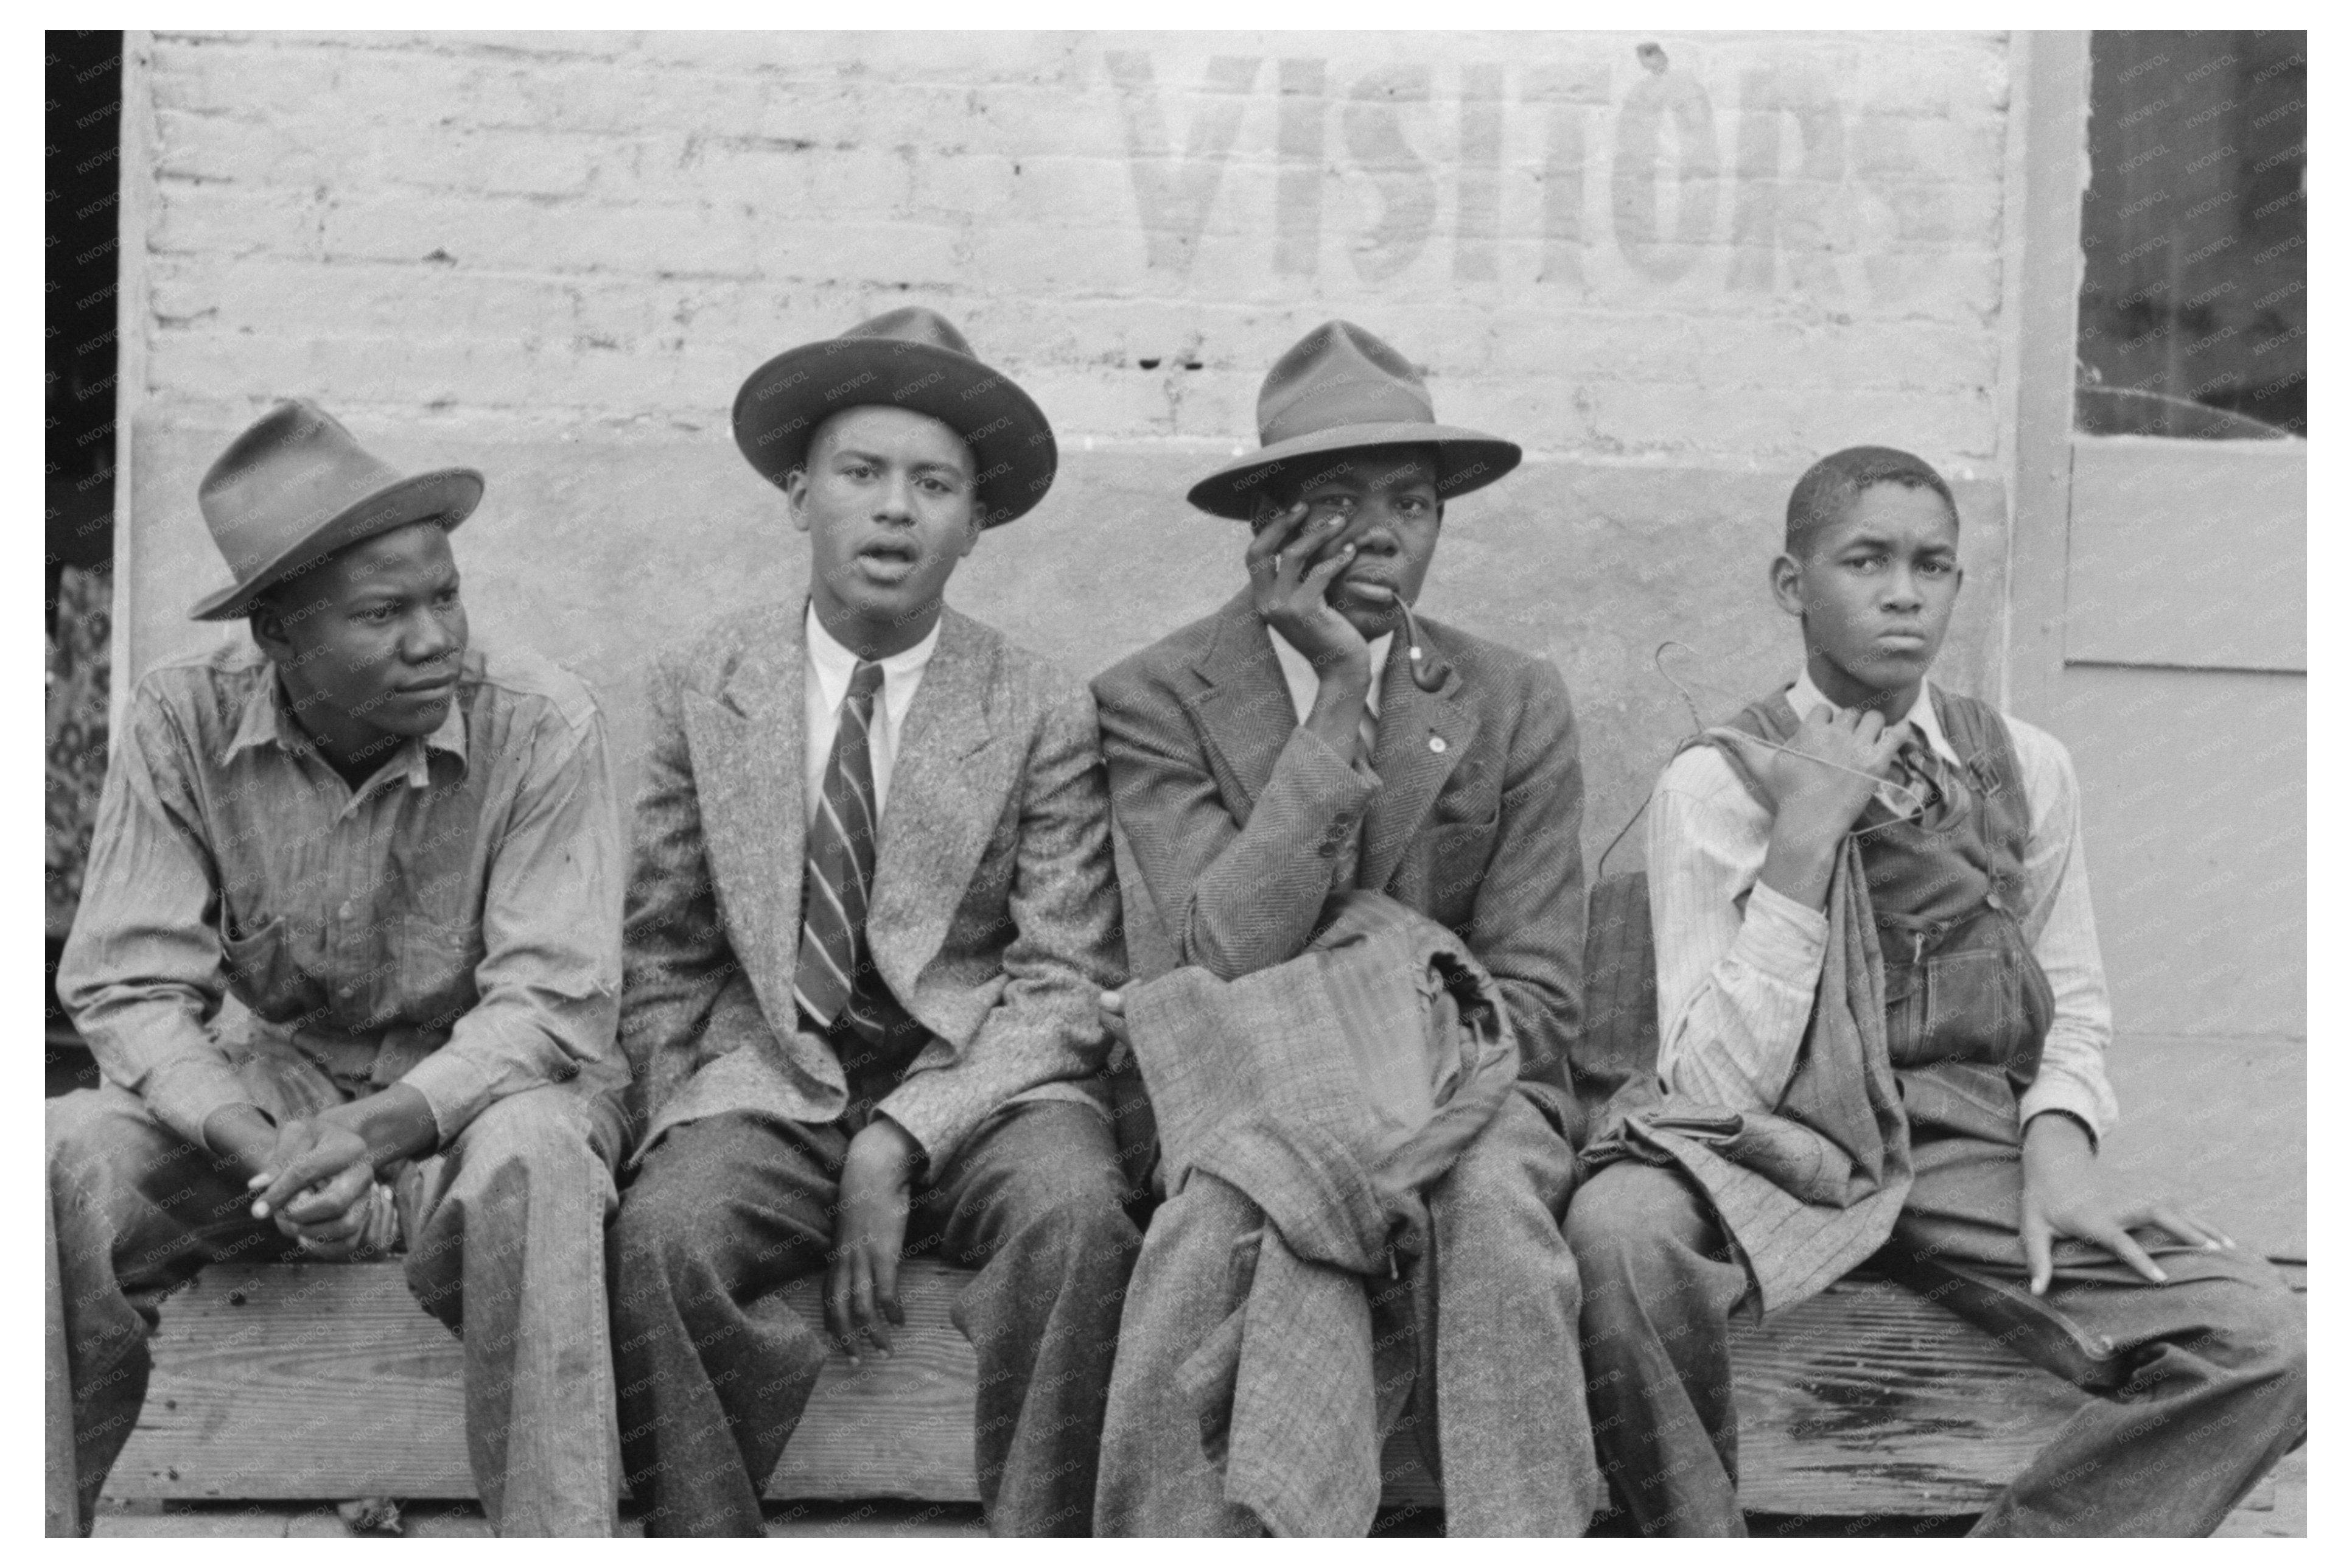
1437	742
346	910
348	992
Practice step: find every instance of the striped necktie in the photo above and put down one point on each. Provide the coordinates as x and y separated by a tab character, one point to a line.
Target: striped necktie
841	844
1939	788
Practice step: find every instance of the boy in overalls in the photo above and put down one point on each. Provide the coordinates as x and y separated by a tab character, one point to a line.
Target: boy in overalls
1995	1023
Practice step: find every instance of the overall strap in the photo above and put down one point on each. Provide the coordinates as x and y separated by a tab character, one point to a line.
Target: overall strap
1980	736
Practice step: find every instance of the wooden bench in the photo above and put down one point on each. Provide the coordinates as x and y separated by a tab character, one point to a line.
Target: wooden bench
327	1381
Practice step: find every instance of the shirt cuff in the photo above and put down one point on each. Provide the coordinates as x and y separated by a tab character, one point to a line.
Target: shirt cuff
2052	1092
185	1093
455	1089
1781	937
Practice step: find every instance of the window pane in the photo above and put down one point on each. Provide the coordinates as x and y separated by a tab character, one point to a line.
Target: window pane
2193	302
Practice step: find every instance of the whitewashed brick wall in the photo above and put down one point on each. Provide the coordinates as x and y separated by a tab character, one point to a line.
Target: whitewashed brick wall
1676	268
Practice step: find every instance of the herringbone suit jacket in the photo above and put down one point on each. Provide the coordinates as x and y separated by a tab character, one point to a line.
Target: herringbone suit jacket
1233	814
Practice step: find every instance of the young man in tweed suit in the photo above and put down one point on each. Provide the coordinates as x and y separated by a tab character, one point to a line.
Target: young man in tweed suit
1309	738
871	912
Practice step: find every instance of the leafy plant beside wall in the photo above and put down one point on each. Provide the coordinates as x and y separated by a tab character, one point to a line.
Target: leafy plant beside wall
76	733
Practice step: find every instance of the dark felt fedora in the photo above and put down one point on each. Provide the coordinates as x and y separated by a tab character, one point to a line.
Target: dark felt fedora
1337	389
908	358
296	488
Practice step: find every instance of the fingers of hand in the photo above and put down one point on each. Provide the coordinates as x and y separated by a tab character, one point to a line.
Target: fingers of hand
1274	533
340	1234
332	1198
293	1140
2188	1227
1329	567
861	1300
307	1167
2035	1232
837	1303
1307	563
2117	1240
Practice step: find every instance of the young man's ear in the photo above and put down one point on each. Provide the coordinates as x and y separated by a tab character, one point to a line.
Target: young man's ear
796	485
268	627
1788	575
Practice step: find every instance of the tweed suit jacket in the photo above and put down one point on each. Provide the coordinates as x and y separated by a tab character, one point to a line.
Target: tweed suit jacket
994	916
1233	812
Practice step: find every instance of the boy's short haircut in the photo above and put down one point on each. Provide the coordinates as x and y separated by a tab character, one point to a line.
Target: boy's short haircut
1831	485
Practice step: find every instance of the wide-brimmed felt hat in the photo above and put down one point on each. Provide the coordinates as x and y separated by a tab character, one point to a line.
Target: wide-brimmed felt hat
296	488
910	358
1340	388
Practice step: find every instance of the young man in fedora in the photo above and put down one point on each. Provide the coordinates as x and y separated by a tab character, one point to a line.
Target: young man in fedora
1313	737
401	855
871	912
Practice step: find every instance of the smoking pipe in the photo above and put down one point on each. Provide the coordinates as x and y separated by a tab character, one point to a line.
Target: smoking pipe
1429	672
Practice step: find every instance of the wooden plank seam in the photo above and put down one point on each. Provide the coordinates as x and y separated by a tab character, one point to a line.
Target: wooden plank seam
328	1381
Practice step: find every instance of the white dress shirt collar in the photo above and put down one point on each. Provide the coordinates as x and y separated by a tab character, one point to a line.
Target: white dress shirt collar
1805	696
835	664
829	666
1298	672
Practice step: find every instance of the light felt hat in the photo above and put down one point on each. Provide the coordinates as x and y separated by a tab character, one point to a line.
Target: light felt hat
1340	388
296	488
910	358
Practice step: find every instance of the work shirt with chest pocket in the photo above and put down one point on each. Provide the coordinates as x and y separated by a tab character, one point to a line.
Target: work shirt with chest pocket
454	923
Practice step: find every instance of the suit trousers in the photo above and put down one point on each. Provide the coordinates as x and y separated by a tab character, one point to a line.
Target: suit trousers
2204	1394
715	1369
1503	1270
505	1233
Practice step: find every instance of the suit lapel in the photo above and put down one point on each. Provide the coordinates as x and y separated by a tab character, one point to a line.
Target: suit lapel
1422	737
1245	714
747	746
947	792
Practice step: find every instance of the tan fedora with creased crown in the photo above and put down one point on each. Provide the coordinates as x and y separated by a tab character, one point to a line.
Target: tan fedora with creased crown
1337	389
296	488
910	358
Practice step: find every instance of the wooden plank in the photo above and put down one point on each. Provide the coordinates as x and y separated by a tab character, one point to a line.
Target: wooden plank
328	1382
1868	1400
895	1428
